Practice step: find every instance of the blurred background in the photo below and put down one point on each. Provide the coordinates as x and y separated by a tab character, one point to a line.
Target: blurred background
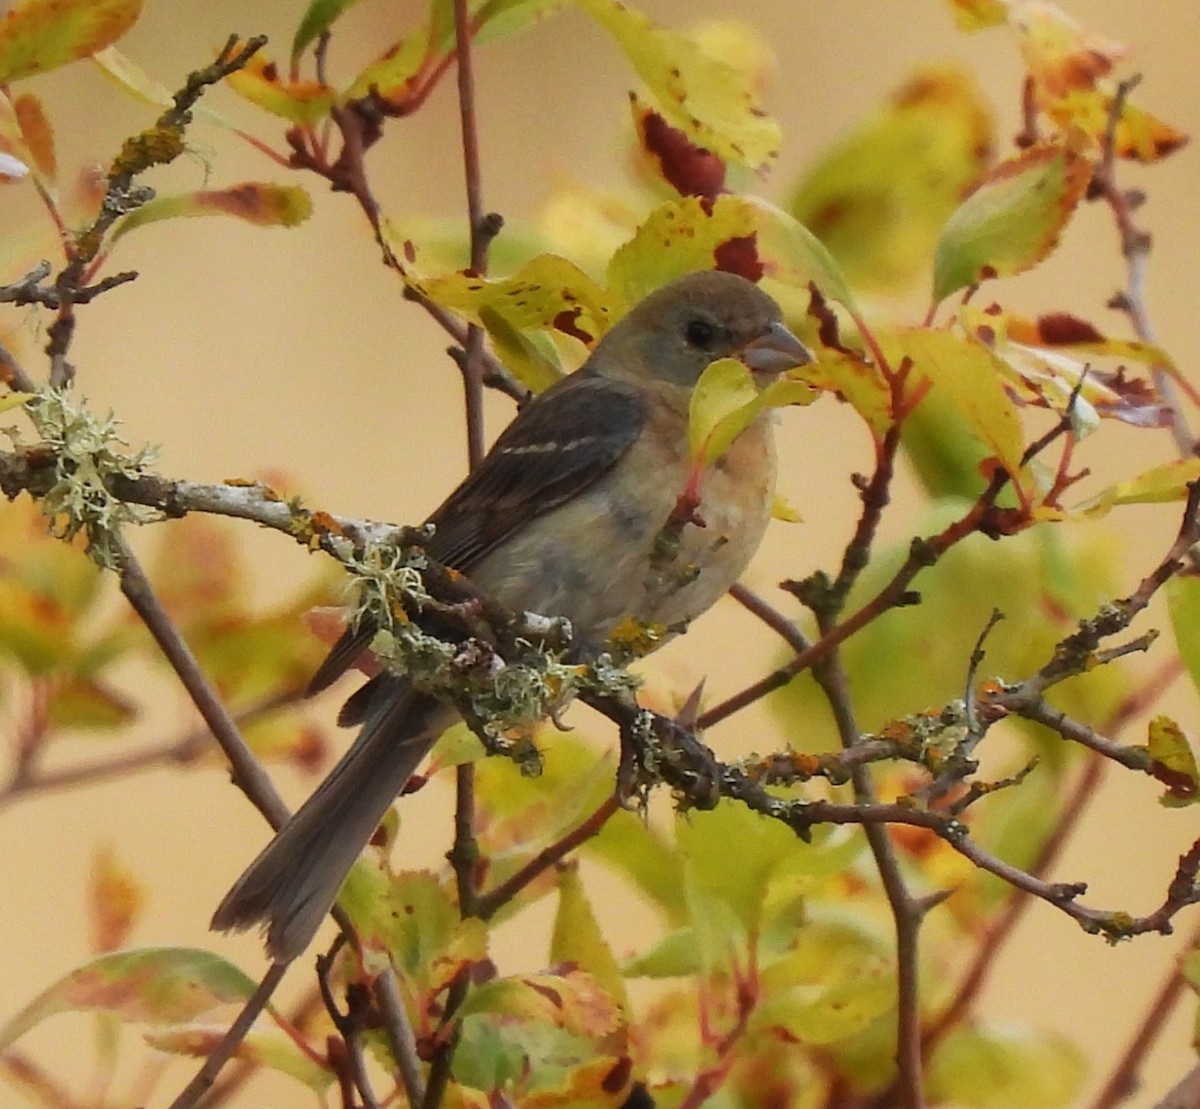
251	353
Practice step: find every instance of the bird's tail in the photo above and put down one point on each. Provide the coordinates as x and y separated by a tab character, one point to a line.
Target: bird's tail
293	883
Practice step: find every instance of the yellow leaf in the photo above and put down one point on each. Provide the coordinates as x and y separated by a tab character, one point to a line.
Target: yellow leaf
970	377
708	99
577	938
116	901
302	102
782	509
1173	763
39	35
879	198
1012	220
1168	482
976	15
548	293
391	75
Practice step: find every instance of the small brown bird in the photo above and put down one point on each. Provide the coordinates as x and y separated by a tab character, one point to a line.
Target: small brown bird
560	518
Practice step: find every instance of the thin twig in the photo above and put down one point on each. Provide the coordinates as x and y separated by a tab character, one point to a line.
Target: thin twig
400	1036
232	1039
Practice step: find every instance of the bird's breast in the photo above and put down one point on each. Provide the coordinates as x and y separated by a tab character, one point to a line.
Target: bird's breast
610	553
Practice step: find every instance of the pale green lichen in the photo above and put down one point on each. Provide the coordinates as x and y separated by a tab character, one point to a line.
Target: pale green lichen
503	699
88	453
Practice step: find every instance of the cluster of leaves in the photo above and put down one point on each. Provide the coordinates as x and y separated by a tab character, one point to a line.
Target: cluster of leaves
765	944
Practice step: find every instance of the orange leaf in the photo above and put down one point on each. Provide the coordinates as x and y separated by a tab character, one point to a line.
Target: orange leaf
39	35
38	134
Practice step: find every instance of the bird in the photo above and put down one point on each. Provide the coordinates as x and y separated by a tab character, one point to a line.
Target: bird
560	518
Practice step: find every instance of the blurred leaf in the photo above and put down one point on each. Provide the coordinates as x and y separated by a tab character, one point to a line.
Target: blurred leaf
126	74
38	134
1183	602
880	197
267	1049
1069	69
639	852
1159	484
197	570
260	203
997	1068
318	18
577	938
77	702
392	74
831	1011
675	955
157	985
976	15
39	35
301	102
706	98
117	899
1012	220
1173	763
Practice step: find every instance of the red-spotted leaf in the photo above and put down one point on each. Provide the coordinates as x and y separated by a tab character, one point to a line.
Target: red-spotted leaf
300	102
116	898
40	35
1012	220
259	203
710	100
1173	762
689	169
154	985
879	198
548	293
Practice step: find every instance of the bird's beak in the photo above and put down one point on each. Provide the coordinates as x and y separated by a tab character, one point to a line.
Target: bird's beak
775	350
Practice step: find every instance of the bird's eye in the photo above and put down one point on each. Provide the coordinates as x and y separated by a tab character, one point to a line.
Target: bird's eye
702	334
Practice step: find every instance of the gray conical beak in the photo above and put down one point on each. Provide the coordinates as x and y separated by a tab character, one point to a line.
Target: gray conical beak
775	350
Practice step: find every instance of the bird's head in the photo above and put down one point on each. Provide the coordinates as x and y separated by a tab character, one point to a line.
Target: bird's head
678	330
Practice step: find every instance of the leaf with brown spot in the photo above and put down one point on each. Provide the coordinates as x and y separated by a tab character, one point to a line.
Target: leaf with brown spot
689	169
879	198
37	36
710	100
301	102
1012	220
260	203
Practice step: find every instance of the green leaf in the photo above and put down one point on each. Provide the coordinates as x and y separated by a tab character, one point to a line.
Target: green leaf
577	938
709	100
726	400
1012	220
533	364
1183	602
998	1068
263	204
320	16
1174	763
879	198
78	702
40	35
156	985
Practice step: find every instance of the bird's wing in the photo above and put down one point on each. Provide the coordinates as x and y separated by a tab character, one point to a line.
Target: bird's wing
561	442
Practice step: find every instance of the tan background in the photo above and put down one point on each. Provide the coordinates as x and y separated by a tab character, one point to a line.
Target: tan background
241	351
